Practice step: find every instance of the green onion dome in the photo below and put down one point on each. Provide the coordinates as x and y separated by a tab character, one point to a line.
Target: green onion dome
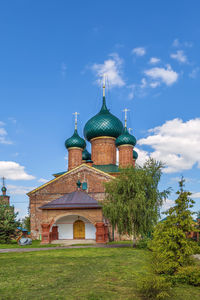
135	155
4	189
125	139
75	141
86	155
103	124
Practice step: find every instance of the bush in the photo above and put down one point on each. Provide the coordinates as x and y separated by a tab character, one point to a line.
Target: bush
196	247
155	287
143	243
189	275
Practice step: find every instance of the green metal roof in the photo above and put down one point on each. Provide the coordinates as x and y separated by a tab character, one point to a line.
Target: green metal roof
135	155
107	168
75	141
58	174
103	124
86	155
125	138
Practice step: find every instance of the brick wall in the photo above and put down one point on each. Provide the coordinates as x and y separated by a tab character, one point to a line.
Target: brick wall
74	157
125	155
103	151
63	185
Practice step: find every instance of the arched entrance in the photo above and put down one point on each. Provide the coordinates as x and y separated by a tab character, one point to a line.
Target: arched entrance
79	230
75	227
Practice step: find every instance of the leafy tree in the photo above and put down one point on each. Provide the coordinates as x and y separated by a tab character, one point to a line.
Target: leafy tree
8	223
133	200
26	223
170	245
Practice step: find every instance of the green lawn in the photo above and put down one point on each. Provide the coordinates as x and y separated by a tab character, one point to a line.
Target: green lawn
35	244
91	274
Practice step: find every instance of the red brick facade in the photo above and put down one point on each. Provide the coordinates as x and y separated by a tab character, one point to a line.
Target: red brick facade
125	155
103	151
74	157
61	185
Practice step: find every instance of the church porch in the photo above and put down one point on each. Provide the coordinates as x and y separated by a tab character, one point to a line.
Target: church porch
75	216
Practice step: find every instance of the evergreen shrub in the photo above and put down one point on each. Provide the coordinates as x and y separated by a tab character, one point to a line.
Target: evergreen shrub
155	287
189	275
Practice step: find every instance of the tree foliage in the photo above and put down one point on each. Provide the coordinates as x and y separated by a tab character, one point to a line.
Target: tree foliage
8	223
133	199
170	245
26	223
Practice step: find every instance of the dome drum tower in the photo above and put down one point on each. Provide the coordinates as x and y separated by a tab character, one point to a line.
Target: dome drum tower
103	150
75	146
101	131
125	143
106	133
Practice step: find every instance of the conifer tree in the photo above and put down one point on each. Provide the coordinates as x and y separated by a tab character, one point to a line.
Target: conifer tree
170	244
133	199
8	223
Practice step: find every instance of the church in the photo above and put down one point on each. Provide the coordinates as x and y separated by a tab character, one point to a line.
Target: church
69	206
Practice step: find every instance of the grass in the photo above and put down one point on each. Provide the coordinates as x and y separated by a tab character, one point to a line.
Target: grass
35	244
88	274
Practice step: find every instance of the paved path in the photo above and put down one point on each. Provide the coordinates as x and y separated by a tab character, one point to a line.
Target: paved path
59	248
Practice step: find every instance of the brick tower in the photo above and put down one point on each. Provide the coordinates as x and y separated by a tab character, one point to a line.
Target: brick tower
125	143
101	131
4	198
75	146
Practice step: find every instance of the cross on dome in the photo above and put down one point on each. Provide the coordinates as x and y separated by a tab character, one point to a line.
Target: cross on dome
3	181
104	84
125	111
76	118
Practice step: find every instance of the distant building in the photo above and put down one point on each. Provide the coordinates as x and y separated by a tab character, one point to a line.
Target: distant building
67	207
4	198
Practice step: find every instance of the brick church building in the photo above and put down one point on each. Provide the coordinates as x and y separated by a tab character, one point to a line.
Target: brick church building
69	206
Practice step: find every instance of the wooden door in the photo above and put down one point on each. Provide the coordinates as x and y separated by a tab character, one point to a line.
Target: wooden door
79	229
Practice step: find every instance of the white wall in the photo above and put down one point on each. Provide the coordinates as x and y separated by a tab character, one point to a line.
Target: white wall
65	227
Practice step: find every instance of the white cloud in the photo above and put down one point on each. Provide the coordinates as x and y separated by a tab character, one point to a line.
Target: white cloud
154	84
43	180
194	72
139	51
112	68
19	190
179	56
175	143
14	171
176	43
154	60
167	76
143	156
167	204
131	94
195	195
143	83
3	135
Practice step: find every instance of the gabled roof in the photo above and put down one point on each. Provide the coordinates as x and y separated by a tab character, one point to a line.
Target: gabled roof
68	173
74	200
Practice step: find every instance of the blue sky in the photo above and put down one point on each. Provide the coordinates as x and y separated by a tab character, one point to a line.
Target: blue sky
53	54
